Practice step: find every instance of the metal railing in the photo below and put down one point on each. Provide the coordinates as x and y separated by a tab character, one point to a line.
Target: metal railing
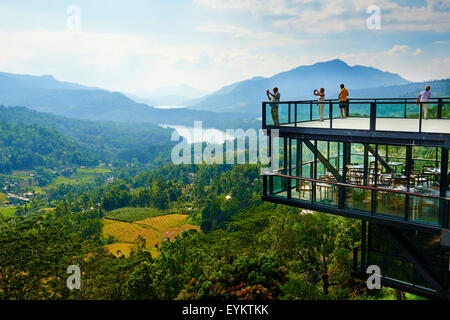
297	113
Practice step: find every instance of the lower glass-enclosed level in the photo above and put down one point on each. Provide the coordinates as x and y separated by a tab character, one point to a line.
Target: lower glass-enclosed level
407	260
401	182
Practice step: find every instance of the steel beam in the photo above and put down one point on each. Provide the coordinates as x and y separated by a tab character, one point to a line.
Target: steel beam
322	159
379	158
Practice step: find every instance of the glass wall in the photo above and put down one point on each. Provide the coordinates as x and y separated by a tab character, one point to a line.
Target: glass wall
401	182
448	176
425	171
358	199
307	161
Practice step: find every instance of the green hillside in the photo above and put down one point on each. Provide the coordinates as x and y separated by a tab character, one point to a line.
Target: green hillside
26	147
439	88
110	140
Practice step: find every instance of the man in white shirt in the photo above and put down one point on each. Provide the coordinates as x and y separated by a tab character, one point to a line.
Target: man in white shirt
274	99
424	96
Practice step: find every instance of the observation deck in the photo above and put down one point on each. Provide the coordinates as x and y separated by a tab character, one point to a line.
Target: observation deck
387	164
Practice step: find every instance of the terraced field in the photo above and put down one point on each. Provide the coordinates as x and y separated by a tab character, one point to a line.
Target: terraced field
154	230
119	248
169	226
129	232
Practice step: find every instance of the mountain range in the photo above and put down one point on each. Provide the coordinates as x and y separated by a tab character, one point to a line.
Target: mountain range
295	84
235	105
439	88
46	94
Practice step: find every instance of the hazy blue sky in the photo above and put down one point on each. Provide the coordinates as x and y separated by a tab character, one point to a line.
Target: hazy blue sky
139	45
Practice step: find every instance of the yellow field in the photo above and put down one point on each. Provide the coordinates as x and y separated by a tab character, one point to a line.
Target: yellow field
169	226
129	232
3	197
153	230
124	248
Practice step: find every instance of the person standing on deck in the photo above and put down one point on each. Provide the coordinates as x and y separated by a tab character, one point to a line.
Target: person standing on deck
343	102
424	96
274	98
321	95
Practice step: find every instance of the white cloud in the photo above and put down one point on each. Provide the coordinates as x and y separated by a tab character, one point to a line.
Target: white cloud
441	42
335	16
399	50
139	62
134	62
266	38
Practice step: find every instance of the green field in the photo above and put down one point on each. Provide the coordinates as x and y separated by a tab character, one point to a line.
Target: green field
81	176
135	214
71	181
7	212
3	197
93	170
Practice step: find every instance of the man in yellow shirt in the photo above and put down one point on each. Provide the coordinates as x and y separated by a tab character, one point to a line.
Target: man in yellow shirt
343	102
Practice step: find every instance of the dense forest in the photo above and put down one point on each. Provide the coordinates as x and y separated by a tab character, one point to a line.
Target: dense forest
103	141
25	147
246	249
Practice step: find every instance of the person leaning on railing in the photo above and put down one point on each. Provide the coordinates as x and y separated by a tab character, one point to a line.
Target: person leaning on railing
424	96
274	98
343	102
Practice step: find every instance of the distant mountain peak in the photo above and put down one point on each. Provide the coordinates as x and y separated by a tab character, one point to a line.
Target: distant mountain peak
48	76
296	84
335	61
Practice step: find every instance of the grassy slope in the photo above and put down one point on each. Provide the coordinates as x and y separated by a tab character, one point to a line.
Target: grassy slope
134	214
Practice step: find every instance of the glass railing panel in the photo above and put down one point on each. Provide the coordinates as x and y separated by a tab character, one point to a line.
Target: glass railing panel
302	190
358	199
315	111
336	112
423	210
269	120
292	113
280	110
431	109
446	110
412	110
318	110
326	193
283	113
390	204
359	110
303	112
391	109
279	186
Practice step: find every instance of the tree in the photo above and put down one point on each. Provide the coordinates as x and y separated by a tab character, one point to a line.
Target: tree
325	243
